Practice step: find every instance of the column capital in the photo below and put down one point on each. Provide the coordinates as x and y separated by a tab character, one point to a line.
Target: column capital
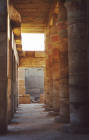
76	11
62	16
76	5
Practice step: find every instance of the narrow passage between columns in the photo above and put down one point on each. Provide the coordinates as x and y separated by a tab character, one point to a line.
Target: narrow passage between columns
32	122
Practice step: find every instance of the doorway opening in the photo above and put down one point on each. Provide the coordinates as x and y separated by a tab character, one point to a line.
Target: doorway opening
34	83
31	85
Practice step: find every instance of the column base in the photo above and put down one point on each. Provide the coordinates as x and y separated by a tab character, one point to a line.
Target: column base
68	128
53	113
48	109
3	131
61	119
44	106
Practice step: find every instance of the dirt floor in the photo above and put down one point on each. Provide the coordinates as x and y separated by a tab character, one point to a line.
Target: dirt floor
32	122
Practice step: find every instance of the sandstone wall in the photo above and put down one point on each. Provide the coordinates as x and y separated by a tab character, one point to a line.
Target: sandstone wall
30	60
23	97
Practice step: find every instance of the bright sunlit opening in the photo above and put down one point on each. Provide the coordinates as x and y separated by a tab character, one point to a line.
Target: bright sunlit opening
32	42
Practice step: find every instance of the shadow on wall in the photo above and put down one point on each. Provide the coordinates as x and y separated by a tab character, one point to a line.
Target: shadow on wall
34	83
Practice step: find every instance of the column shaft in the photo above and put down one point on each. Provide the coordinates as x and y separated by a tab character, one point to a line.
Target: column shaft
49	81
3	66
63	64
78	62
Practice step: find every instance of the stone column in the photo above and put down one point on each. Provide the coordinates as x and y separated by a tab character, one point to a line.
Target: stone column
47	82
56	75
46	71
16	69
15	88
88	39
50	81
12	83
78	63
9	82
48	94
3	66
55	68
10	101
45	85
63	63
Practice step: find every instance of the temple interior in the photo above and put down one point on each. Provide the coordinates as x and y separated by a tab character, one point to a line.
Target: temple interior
44	69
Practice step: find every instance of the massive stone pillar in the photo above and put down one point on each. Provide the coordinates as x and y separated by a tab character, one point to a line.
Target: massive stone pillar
78	63
46	72
15	86
12	83
3	66
17	95
55	67
56	73
46	83
9	82
48	79
49	97
88	40
63	63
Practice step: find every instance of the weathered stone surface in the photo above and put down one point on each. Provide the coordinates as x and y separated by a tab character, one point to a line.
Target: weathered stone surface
78	62
55	66
63	64
56	75
14	84
48	71
3	68
9	89
3	83
29	61
65	60
42	98
24	99
32	62
57	62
